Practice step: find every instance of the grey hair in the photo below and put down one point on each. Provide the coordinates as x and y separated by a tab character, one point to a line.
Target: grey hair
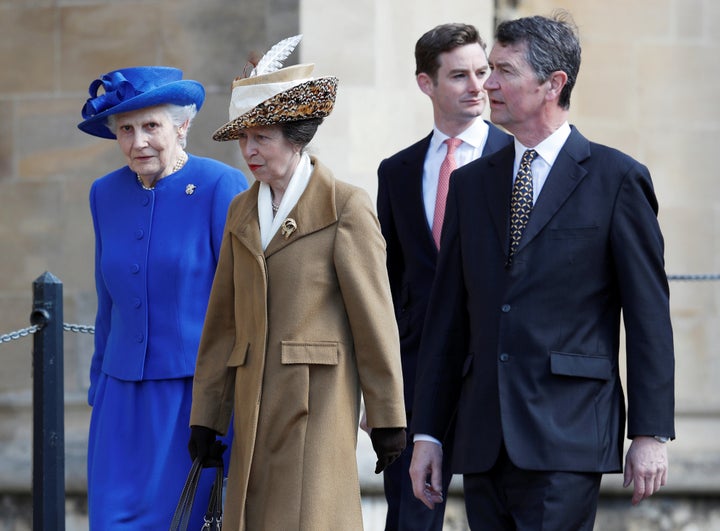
552	44
178	114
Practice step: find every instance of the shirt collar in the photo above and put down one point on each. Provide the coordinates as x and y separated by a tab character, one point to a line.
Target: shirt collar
474	135
548	149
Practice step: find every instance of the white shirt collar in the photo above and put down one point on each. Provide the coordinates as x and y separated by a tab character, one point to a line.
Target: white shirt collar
548	149
474	135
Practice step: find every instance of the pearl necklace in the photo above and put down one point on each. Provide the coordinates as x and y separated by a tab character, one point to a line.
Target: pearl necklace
182	159
275	206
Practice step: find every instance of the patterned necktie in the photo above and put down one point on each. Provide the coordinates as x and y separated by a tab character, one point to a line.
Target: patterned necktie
446	168
521	202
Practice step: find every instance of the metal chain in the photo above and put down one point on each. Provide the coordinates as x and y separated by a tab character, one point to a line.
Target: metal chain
694	277
24	332
6	338
82	329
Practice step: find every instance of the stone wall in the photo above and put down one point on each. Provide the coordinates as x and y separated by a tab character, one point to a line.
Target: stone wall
647	86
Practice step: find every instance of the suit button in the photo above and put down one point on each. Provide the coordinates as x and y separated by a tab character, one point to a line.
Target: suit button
134	269
139	234
137	302
139	338
504	356
505	308
145	200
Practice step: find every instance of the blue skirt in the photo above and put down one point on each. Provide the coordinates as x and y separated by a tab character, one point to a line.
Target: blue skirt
138	456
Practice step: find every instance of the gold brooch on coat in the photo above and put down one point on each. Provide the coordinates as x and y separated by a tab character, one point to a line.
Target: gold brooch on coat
288	227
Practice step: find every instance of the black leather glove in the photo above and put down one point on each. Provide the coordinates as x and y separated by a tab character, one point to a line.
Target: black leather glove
388	444
205	446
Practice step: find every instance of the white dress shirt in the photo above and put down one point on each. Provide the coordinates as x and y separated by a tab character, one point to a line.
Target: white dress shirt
547	151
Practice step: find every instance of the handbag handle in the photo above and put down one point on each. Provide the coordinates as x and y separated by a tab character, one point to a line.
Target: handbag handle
213	515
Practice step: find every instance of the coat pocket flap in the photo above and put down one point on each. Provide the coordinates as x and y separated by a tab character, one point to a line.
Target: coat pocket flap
238	356
579	365
313	352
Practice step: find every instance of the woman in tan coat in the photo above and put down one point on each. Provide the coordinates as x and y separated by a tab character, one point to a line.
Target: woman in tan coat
299	323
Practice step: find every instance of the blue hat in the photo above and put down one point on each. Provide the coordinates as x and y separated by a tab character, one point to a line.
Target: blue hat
135	88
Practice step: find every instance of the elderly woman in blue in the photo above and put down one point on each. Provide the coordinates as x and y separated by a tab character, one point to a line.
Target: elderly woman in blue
158	226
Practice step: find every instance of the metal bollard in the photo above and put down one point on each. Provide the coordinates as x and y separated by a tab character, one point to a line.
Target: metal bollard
48	476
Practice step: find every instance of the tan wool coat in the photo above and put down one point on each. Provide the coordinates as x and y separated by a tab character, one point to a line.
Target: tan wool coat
292	336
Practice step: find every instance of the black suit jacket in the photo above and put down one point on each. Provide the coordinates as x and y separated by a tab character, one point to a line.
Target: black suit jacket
411	251
532	349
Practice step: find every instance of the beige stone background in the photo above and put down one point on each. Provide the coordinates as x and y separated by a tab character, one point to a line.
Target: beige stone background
648	85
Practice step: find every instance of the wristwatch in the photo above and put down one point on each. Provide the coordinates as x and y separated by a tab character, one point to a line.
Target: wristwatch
661	438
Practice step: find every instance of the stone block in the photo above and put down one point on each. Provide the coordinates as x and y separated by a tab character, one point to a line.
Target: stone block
29	214
236	28
665	102
7	140
595	97
27	41
104	37
395	42
49	146
350	41
690	20
695	389
690	249
677	156
15	308
611	20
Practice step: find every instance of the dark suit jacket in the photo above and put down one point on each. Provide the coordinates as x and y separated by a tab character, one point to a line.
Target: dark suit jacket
532	349
411	251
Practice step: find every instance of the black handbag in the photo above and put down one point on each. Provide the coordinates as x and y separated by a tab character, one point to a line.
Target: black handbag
213	514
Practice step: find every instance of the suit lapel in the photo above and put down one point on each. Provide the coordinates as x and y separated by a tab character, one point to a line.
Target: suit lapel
415	163
496	140
564	177
498	184
411	182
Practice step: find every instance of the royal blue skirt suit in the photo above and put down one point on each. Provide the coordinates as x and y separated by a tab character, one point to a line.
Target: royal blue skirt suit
155	257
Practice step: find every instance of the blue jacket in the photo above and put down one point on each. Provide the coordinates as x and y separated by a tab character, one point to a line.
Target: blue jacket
155	257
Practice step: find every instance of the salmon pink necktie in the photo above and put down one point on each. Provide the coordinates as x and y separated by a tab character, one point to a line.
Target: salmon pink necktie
446	168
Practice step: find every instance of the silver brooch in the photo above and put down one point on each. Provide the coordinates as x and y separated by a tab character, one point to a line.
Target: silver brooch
288	227
190	189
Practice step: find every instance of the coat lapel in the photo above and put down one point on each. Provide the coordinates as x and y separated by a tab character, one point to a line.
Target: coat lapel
243	222
314	210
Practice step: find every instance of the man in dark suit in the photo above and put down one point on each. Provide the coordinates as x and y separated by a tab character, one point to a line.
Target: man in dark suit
523	326
451	66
